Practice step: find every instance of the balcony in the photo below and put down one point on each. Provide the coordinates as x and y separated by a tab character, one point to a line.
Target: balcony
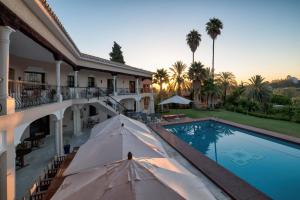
30	94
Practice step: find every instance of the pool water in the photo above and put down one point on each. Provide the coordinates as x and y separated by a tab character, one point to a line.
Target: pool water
270	165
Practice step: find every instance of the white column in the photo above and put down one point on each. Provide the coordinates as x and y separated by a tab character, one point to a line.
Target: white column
76	84
7	103
138	104
115	86
8	170
58	91
137	91
76	120
59	137
152	109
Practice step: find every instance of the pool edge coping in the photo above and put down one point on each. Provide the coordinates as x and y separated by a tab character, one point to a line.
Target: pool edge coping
231	184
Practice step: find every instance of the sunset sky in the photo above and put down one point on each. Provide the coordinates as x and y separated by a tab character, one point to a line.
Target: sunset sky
259	37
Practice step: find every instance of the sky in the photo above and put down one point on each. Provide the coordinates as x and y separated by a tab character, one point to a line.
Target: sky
259	37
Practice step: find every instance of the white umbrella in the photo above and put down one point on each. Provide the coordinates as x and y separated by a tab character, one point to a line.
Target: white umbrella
117	121
176	99
113	146
137	178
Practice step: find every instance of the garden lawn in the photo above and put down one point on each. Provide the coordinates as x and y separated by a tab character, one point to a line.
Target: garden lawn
284	127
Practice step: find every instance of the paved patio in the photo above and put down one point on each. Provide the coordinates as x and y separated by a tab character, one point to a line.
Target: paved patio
39	158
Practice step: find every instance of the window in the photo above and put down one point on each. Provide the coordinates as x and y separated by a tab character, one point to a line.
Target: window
110	86
91	82
71	81
35	77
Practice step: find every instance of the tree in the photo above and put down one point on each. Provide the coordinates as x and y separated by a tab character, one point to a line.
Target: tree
160	77
226	80
178	77
116	55
197	74
213	29
193	39
211	89
257	89
235	96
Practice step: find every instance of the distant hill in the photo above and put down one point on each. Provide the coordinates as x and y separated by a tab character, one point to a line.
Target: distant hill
290	81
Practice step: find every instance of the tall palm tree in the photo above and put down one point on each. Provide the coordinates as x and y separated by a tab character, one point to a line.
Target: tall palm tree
179	76
193	39
160	77
257	89
213	29
197	74
227	81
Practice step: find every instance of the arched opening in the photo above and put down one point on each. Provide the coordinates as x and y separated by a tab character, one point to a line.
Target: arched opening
129	104
145	104
35	150
92	110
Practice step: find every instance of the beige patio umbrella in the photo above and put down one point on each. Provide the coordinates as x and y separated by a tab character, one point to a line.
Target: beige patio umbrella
116	121
114	146
136	178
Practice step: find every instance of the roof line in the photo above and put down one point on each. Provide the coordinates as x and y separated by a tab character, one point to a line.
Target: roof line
83	55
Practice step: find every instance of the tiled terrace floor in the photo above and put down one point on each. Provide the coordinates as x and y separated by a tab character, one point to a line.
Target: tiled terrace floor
39	158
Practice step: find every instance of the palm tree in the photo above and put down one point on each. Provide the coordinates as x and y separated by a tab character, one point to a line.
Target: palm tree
160	77
193	39
213	29
197	74
179	76
212	90
227	81
257	89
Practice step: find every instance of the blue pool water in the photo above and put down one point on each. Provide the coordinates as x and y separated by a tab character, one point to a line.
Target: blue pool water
271	165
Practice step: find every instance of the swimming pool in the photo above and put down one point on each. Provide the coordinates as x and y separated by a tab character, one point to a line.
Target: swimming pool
269	164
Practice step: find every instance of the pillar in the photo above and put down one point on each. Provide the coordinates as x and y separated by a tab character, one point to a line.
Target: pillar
58	91
138	104
76	84
59	137
137	86
76	120
115	85
7	104
151	106
7	169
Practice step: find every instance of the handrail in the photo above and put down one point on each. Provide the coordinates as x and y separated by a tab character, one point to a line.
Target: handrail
108	95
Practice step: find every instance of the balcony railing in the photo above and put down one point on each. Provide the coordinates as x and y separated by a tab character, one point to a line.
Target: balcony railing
125	91
29	94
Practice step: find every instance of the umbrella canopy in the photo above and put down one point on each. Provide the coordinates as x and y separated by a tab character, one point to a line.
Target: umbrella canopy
117	121
176	99
114	146
137	178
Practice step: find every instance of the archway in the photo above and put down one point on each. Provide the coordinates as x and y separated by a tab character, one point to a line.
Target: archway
129	104
36	148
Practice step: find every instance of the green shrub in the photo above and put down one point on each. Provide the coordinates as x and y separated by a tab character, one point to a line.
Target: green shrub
281	99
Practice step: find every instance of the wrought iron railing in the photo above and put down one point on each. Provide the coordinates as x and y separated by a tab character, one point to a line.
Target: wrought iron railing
29	94
125	91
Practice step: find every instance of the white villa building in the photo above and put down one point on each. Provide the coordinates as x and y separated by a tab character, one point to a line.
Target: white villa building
48	86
